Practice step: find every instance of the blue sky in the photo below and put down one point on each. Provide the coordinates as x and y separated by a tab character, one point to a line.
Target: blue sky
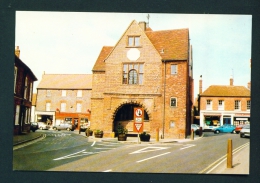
70	42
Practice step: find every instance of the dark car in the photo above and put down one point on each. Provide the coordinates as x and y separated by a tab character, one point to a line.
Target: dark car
64	126
34	126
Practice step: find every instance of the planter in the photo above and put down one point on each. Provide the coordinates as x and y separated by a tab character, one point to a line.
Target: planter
122	137
99	135
90	133
145	138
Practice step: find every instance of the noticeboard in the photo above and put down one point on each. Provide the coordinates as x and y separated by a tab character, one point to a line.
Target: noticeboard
138	119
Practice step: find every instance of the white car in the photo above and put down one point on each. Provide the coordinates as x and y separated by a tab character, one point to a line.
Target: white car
43	126
195	128
245	131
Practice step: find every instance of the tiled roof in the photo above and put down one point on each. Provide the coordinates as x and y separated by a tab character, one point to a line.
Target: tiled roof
66	81
100	63
174	43
226	91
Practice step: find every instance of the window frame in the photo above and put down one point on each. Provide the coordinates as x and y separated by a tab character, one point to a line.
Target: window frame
48	106
248	105
135	39
175	70
237	105
48	93
209	104
222	105
78	107
63	93
79	93
63	106
128	68
172	104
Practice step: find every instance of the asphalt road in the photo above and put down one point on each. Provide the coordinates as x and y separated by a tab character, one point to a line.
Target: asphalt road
65	151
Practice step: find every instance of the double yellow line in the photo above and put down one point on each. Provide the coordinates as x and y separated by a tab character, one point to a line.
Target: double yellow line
220	160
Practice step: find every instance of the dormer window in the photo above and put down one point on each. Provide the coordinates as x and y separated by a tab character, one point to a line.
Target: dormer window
133	41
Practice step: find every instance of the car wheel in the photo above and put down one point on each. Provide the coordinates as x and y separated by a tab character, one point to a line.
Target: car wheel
68	129
233	131
217	131
54	128
41	128
242	135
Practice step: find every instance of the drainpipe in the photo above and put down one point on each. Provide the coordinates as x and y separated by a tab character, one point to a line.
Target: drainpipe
164	87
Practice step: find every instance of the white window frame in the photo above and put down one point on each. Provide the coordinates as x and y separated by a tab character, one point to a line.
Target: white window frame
172	100
78	107
17	113
237	105
174	69
48	106
209	105
79	93
221	105
62	107
63	93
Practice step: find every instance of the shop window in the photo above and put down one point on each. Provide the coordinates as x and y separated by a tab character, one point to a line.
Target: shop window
173	69
248	104
133	41
133	73
221	105
173	102
209	105
237	104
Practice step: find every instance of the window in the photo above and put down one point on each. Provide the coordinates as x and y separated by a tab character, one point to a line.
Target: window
63	107
237	104
25	88
78	107
173	102
209	105
221	105
63	93
248	104
173	69
133	73
79	93
48	93
15	76
48	106
31	91
133	40
17	113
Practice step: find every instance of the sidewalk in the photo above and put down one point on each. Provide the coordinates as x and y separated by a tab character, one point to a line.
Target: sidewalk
240	159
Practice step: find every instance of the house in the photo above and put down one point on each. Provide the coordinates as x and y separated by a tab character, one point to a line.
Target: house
64	97
23	91
224	104
148	69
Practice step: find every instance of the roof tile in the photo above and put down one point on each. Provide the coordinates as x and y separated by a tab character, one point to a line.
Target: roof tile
226	91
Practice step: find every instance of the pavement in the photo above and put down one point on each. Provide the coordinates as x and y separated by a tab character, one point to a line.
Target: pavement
240	159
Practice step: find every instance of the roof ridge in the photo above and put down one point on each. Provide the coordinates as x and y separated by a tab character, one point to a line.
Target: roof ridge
168	30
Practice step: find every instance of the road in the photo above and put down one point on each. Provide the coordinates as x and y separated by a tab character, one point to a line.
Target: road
72	152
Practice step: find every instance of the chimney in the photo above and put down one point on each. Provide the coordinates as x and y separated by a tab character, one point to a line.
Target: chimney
142	25
249	85
231	81
17	51
200	86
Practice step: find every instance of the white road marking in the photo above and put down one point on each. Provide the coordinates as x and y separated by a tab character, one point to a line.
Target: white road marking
153	157
149	149
77	154
103	148
107	170
188	146
93	143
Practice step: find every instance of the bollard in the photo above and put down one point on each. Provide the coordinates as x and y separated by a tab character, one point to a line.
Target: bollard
192	134
229	154
200	132
157	134
87	132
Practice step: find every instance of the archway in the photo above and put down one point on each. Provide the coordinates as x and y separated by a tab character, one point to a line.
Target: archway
125	116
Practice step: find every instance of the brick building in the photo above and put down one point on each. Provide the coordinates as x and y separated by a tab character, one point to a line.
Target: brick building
224	104
148	69
64	97
23	91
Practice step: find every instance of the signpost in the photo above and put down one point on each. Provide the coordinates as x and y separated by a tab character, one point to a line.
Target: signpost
138	120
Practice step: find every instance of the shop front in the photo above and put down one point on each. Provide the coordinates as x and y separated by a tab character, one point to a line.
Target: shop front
241	119
210	121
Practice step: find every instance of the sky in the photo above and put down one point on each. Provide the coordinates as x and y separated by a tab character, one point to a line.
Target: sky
70	42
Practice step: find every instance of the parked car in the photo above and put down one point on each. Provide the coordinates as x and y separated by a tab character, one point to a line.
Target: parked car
43	126
224	129
34	126
84	126
64	126
195	128
239	128
245	131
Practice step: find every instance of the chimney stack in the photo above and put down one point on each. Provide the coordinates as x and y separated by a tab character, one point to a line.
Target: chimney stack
249	85
17	51
142	25
231	81
200	85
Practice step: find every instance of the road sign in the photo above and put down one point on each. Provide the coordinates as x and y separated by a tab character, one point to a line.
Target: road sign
138	119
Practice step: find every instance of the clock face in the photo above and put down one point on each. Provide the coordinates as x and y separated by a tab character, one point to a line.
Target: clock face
133	54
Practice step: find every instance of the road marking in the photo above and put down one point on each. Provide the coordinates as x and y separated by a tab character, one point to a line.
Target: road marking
153	157
187	146
149	149
208	169
103	148
93	143
77	154
108	170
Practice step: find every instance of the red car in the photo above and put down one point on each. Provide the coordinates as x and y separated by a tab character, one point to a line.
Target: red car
238	128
